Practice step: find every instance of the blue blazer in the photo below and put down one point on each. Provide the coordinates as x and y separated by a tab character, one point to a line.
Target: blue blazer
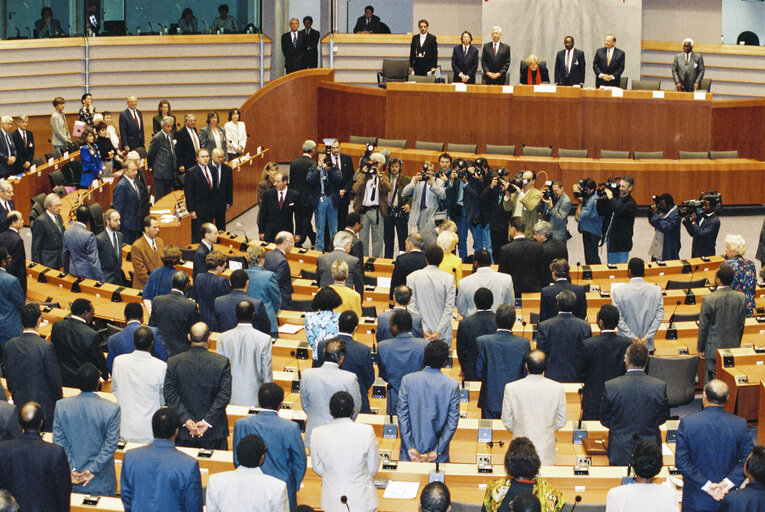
160	478
88	427
126	201
547	305
276	262
207	288
263	286
749	499
12	298
91	166
358	360
704	236
285	457
670	226
80	253
398	357
499	362
561	338
122	343
711	445
225	312
383	325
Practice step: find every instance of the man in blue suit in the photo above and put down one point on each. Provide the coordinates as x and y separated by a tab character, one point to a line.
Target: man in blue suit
159	477
122	342
402	294
285	457
428	409
11	300
80	250
703	229
547	305
276	262
263	285
665	218
225	306
752	497
88	427
126	199
712	446
561	338
501	358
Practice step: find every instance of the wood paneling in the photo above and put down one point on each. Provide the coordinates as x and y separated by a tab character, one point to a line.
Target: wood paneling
346	110
738	125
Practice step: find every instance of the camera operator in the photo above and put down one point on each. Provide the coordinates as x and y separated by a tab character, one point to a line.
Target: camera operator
473	180
557	206
664	217
618	213
426	196
522	200
703	229
344	164
499	218
324	181
368	189
589	221
396	223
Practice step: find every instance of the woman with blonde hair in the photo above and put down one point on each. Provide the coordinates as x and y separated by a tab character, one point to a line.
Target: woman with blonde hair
451	263
534	72
744	270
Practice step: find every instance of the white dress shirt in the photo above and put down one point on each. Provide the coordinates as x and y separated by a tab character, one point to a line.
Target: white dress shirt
246	490
372	184
641	497
236	136
138	381
249	352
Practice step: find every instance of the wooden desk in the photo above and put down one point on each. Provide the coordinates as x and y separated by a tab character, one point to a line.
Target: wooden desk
744	380
31	184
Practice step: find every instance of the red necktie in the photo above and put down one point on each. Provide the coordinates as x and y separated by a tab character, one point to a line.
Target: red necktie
135	116
24	138
207	177
281	200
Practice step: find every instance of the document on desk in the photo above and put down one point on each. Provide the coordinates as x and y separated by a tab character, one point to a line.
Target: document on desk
401	490
699	95
666	450
290	328
383	282
507	89
458	87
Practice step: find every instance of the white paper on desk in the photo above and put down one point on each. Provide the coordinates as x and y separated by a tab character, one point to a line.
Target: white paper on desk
507	89
699	95
383	282
108	179
290	328
458	87
401	490
544	88
657	94
162	212
666	450
617	93
167	218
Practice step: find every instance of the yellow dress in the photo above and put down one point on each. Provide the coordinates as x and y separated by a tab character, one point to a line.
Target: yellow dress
452	264
351	299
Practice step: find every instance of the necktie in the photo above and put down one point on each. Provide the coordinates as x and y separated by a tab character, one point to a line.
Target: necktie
194	139
294	39
172	149
8	143
135	117
568	62
281	200
24	138
336	161
465	48
114	242
687	57
207	176
59	223
608	59
153	246
374	189
495	49
424	198
132	182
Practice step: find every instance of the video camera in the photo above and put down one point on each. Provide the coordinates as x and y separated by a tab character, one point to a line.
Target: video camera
687	208
611	183
367	162
547	192
581	194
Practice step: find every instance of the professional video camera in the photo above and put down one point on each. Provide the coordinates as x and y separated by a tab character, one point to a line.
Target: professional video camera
365	161
687	208
581	194
612	183
547	192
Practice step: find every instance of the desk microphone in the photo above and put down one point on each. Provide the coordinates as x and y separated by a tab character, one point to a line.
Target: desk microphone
577	500
672	316
297	361
581	409
523	332
161	28
344	501
151	29
578	271
246	240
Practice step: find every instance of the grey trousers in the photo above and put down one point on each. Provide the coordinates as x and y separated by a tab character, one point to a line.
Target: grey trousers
372	222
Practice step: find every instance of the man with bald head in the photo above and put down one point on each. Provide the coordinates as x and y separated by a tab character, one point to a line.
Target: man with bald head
35	472
131	125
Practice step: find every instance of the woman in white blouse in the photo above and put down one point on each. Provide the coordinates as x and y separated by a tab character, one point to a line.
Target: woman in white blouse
236	134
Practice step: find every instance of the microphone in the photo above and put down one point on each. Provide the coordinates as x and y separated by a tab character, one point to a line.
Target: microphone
204	27
577	500
581	410
523	332
246	240
151	29
161	28
344	501
578	270
297	361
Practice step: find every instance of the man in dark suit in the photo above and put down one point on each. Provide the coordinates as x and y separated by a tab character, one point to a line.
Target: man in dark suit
561	338
35	472
396	224
712	446
423	53
24	141
369	23
48	234
501	358
471	328
465	60
495	59
128	195
311	39
405	264
703	229
208	237
281	210
109	242
161	159
198	385
187	144
753	495
608	63
687	68
7	149
552	249
276	262
11	300
123	341
600	359
548	308
224	186
13	242
570	66
225	305
299	169
523	259
6	203
173	314
633	407
353	225
131	125
293	47
402	295
31	366
344	164
199	186
9	423
618	214
342	246
358	357
80	250
76	343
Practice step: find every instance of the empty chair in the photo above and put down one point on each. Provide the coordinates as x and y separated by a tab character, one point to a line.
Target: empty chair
679	372
706	84
684	285
39	198
358	139
301	305
646	85
719	155
494	149
623	81
393	70
429	146
573	153
72	173
607	153
307	274
687	317
536	150
56	178
427	79
59	191
392	143
691	155
97	218
50	155
648	155
38	161
462	148
749	38
36	211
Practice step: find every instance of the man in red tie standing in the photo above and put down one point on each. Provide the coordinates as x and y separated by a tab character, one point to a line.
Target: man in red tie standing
495	59
199	187
280	211
131	125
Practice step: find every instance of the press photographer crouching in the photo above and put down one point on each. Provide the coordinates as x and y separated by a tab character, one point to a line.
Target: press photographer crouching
663	215
589	221
370	191
396	223
702	223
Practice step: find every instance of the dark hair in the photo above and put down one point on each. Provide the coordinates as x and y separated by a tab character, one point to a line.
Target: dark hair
370	8
244	312
609	315
33	422
171	255
133	311
326	299
636	266
270	396
483	298
30	314
221	8
250	451
83	214
442	155
101	126
13	216
468	33
435	497
341	405
629	179
212	114
525	502
482	258
231	113
505	316
86	378
180	280
147	221
308	18
589	183
559	267
565	301
352	219
518	224
536	362
143	337
58	100
46	10
725	274
159	107
755	464
348	321
238	279
436	354
402	294
3	253
402	319
165	422
646	459
637	355
334	350
667	198
82	99
434	255
215	259
521	459
81	306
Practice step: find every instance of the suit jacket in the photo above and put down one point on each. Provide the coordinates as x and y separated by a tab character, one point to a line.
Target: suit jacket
264	287
578	68
198	386
383	325
32	373
11	240
403	265
359	189
423	58
110	258
500	360
88	427
122	343
207	288
618	221
80	253
535	407
433	297
224	187
711	445
600	65
633	404
24	152
466	63
299	168
249	351
173	314
285	457
468	331
363	26
688	73
669	226
346	455
311	50
276	262
76	344
207	140
552	249
436	193
12	298
200	253
36	473
704	234
542	69
498	63
721	323
158	477
185	154
428	412
324	266
9	422
4	215
751	498
641	309
358	360
131	133
398	357
600	359
316	388
561	338
272	219
347	170
7	150
47	239
200	197
548	308
501	286
145	259
225	312
524	260
161	156
128	203
293	53
245	487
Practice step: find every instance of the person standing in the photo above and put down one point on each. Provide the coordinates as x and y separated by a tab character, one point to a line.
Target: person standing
324	182
276	261
703	228
131	125
280	211
523	259
570	64
688	68
423	54
618	220
109	244
11	299
753	495
80	250
472	327
293	47
561	338
665	218
483	276
161	159
590	221
128	195
608	64
12	241
199	186
173	315
643	494
433	296
641	305
224	186
311	38
76	343
370	191
548	307
60	138
48	234
465	60
495	59
263	285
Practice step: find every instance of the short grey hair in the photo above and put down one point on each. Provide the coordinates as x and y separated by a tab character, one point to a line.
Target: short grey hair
50	199
189	116
22	117
339	270
378	157
283	236
342	238
6	119
543	228
132	97
736	243
565	300
218	151
496	27
5	186
688	40
308	146
167	119
416	240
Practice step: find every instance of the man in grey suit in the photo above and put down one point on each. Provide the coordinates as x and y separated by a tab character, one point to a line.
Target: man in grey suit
109	242
161	158
402	295
688	68
483	276
641	306
561	338
433	296
319	384
88	427
425	199
342	244
80	250
721	323
557	209
48	234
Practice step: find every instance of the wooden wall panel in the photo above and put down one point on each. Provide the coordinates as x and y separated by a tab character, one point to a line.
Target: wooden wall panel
345	110
738	125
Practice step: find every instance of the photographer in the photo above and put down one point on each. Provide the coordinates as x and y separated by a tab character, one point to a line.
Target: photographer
396	223
370	192
618	211
473	180
499	218
703	229
324	181
523	200
557	206
427	192
664	217
590	222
